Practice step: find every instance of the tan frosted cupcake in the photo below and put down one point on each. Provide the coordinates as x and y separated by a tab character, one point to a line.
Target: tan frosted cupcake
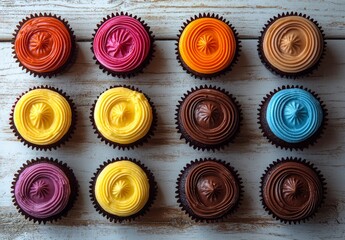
291	45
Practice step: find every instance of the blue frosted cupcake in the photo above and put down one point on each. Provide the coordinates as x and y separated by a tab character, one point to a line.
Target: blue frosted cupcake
292	117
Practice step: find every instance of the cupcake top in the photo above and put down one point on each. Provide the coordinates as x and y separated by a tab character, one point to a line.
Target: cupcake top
42	190
208	117
294	115
122	188
209	189
122	115
292	190
42	116
207	45
43	44
122	44
292	44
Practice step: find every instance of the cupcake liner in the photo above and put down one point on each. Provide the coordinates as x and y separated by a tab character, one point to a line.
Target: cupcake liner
139	142
73	184
64	139
144	64
306	163
71	59
278	72
274	140
196	144
213	75
143	211
181	199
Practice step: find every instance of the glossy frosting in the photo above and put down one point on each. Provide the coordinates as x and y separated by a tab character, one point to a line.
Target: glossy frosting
211	189
207	45
43	44
209	116
292	44
122	188
121	44
294	115
42	116
122	115
42	190
292	191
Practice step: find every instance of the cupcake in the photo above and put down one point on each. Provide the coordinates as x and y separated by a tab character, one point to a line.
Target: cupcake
44	44
123	117
207	46
208	118
292	117
291	45
44	190
122	189
122	45
292	190
209	190
43	118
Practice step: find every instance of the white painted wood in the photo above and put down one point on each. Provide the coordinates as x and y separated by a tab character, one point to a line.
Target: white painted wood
166	17
165	82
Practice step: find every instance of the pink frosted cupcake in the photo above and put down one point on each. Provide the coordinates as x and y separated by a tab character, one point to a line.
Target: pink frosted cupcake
122	45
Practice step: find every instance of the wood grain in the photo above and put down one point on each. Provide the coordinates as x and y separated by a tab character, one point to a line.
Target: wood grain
166	17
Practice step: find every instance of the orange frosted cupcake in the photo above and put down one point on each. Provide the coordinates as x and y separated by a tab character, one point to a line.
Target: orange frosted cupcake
207	46
43	44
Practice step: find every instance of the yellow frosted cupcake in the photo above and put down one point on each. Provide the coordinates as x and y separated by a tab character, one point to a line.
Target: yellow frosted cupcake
122	189
43	118
123	117
207	46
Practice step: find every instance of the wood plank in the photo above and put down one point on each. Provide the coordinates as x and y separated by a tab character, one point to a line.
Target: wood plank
166	17
165	82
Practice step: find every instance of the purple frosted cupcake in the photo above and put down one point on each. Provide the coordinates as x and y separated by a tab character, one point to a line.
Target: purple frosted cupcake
44	190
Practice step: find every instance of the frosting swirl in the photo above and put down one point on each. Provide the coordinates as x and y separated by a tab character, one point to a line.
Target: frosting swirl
42	116
42	190
292	190
123	115
292	44
207	45
43	44
121	44
122	188
294	115
211	189
209	116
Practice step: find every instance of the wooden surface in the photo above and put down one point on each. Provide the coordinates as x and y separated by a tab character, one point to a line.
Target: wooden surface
165	82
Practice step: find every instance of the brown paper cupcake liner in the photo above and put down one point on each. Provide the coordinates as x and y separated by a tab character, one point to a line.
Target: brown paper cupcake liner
274	140
73	55
196	74
136	216
144	64
181	198
306	163
195	144
73	184
278	72
64	139
137	143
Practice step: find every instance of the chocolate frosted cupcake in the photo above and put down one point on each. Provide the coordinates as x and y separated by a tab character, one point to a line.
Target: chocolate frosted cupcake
209	190
292	117
292	190
43	118
122	189
122	44
207	46
44	44
208	118
291	45
123	117
44	190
